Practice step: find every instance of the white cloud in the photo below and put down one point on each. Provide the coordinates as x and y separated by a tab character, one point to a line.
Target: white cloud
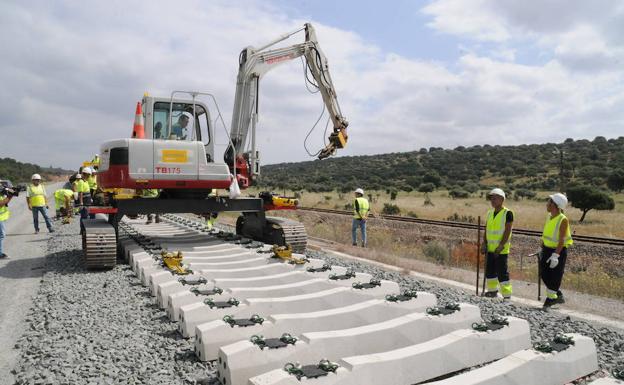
72	73
582	35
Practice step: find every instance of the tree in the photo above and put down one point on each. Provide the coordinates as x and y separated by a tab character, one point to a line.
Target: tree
432	177
426	187
586	198
458	193
615	180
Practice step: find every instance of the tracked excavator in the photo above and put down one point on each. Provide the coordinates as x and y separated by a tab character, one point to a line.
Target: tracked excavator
175	153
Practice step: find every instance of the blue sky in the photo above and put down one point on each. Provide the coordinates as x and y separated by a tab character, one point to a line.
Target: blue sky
409	74
397	26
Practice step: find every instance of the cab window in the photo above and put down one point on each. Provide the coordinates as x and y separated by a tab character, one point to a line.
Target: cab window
183	126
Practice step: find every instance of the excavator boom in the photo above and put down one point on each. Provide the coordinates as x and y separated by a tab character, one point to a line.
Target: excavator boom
253	64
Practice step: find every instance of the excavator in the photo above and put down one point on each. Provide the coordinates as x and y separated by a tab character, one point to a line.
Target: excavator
176	153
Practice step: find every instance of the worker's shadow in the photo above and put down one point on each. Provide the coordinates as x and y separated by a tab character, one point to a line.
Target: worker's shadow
62	262
20	268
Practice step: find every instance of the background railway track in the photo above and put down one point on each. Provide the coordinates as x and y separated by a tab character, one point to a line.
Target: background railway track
463	225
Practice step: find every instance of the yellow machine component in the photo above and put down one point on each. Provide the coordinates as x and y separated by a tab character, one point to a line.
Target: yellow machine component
87	164
285	253
173	262
121	193
276	202
280	201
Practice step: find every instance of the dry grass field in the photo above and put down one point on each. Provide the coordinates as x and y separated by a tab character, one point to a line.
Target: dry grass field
530	214
399	246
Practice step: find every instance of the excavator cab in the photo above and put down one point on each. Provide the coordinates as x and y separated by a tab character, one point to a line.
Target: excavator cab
176	155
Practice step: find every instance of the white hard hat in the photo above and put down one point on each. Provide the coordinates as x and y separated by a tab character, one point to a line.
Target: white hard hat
87	170
78	176
560	200
35	177
359	191
497	191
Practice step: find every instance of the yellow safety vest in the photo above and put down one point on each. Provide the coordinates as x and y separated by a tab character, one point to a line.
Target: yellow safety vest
96	161
550	235
81	186
36	195
4	210
92	182
84	186
60	195
364	207
494	230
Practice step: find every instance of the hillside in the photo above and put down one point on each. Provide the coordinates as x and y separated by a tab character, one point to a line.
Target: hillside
523	167
18	172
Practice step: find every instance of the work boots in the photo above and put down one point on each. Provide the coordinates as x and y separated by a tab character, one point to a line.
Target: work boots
491	294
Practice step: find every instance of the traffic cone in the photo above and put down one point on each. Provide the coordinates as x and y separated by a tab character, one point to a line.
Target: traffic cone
138	131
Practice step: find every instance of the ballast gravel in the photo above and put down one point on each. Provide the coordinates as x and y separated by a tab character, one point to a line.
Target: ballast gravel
102	327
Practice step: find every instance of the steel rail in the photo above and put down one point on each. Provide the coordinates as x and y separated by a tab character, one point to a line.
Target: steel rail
464	225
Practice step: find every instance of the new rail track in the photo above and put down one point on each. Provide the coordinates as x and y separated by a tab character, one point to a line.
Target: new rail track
464	225
258	317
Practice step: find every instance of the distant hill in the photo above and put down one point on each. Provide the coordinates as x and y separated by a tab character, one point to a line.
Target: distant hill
526	167
18	172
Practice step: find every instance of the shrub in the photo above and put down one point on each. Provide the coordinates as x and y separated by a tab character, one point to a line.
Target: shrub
436	251
390	209
428	201
458	193
393	194
461	218
525	193
412	214
426	187
615	180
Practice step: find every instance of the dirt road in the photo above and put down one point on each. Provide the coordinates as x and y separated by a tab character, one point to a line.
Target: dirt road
19	277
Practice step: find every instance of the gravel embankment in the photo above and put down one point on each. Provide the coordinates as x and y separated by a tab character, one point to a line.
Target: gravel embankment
100	327
103	327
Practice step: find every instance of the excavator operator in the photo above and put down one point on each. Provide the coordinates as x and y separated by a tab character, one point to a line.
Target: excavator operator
179	129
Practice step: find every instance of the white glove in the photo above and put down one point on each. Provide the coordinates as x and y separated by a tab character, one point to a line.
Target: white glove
553	260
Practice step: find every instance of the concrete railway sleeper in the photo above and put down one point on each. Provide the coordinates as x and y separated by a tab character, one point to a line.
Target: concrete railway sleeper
268	321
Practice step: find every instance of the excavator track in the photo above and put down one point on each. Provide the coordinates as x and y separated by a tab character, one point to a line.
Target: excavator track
293	233
99	244
274	231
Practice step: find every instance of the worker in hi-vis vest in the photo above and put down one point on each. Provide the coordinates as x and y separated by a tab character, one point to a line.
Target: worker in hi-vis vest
496	245
87	198
63	199
556	238
38	203
5	198
151	193
361	209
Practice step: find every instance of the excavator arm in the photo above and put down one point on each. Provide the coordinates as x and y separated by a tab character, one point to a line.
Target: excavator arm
253	64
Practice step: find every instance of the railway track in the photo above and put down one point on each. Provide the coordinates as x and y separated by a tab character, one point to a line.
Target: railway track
463	225
271	321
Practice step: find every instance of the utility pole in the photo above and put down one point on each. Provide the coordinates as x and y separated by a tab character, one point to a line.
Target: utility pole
560	152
